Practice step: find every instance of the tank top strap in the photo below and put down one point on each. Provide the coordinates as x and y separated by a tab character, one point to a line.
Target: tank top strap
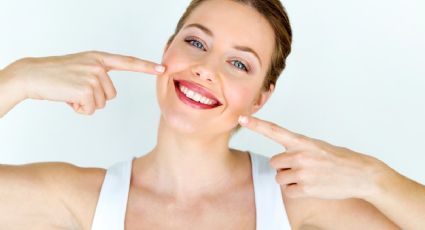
112	204
270	209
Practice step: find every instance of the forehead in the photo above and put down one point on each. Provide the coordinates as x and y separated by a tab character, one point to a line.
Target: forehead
236	24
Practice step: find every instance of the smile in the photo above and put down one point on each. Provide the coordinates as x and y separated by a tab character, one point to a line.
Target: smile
195	95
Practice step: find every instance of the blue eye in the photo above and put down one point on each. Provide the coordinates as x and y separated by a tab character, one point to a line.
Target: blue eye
239	65
196	43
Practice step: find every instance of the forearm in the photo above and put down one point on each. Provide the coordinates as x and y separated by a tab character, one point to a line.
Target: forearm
10	94
400	199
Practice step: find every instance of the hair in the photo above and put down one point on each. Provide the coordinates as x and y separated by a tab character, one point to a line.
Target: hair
276	15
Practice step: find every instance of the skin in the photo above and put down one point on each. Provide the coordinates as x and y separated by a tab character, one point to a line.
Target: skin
198	141
323	181
83	83
32	194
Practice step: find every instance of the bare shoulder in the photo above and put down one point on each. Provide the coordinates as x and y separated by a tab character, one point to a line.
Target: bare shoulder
312	213
78	187
63	193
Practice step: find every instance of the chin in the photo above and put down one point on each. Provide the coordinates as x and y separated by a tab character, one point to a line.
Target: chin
190	124
181	123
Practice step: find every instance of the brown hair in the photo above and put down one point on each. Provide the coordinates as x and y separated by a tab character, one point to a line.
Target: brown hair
276	15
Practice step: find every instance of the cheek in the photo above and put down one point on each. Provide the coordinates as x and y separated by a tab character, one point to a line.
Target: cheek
240	100
175	62
176	59
172	61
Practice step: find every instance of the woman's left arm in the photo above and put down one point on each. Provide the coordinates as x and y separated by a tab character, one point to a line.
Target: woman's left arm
314	168
400	199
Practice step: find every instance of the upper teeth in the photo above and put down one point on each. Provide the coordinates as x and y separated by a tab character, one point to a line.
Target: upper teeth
196	96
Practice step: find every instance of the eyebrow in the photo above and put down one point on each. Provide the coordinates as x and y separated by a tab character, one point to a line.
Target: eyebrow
210	33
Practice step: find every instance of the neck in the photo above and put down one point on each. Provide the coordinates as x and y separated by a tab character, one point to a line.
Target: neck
189	165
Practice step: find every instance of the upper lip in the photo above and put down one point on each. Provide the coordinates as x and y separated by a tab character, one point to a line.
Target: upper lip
198	88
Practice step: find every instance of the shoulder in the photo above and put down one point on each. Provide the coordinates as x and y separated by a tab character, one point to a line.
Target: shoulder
54	176
258	163
64	191
77	187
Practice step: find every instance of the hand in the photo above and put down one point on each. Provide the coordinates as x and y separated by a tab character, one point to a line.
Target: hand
81	79
313	168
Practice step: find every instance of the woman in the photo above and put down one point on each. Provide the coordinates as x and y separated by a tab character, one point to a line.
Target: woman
217	75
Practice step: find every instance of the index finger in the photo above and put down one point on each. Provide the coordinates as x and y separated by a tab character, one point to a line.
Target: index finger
129	63
273	131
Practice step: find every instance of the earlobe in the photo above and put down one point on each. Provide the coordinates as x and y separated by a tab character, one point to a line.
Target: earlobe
263	97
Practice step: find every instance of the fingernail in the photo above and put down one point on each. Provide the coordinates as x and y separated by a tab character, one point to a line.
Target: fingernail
243	120
160	68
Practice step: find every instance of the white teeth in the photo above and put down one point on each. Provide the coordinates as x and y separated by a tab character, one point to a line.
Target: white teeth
196	96
204	100
190	94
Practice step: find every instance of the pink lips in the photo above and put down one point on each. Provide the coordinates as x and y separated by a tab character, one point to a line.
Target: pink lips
198	89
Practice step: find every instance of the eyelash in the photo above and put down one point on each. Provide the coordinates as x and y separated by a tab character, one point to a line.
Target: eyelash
199	45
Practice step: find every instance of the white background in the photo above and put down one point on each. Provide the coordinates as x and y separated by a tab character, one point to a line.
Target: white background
356	78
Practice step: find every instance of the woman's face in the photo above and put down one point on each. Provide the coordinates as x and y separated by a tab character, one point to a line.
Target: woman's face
216	66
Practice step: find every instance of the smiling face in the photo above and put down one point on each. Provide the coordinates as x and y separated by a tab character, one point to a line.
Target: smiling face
216	66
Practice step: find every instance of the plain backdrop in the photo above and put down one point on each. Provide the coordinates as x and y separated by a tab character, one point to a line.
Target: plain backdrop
355	78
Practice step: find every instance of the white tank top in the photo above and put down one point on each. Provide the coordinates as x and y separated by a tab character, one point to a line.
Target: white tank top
112	203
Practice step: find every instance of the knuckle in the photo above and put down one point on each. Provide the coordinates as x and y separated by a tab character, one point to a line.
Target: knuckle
86	92
90	112
298	175
323	152
307	159
298	158
112	95
280	178
301	176
92	53
93	81
98	69
86	54
274	128
131	60
303	159
299	138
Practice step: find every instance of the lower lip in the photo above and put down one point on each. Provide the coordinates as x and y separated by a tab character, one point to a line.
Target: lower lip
190	102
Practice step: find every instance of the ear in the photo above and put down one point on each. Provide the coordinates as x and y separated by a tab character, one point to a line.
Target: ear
262	99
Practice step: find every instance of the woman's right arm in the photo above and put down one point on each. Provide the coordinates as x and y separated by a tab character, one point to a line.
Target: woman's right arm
57	195
81	80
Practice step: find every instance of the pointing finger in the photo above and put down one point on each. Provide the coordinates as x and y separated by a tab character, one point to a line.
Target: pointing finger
272	131
128	63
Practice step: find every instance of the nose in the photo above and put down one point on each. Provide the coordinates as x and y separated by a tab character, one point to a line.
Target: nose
204	72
